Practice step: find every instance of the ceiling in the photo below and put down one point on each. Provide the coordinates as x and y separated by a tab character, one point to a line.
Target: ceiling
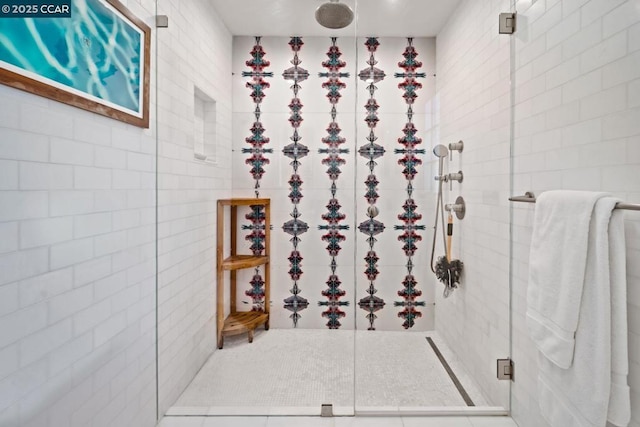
380	18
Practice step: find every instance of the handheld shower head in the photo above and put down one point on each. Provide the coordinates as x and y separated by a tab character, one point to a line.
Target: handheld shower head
441	152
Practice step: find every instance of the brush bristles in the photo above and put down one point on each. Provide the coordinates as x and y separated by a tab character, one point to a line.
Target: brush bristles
449	273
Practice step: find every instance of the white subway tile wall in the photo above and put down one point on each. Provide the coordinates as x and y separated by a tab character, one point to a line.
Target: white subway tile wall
597	122
474	106
195	51
77	332
576	127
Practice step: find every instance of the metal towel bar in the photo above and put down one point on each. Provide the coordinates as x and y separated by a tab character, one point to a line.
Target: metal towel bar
529	197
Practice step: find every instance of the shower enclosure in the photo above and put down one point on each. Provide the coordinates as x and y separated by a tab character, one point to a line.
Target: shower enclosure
337	128
107	229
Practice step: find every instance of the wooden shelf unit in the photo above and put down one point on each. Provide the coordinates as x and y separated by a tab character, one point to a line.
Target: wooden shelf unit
239	322
238	262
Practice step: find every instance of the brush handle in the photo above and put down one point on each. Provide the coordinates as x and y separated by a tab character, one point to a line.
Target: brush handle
449	235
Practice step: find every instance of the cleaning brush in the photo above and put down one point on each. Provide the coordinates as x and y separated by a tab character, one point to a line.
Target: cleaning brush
449	235
448	271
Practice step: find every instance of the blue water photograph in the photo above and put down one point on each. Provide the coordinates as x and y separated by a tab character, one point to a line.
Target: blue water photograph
95	51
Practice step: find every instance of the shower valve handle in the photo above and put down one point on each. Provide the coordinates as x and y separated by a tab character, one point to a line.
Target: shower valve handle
454	177
453	207
455	146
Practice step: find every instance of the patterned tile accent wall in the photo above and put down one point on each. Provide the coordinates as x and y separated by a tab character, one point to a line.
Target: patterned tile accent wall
334	160
324	145
371	151
295	151
257	160
410	161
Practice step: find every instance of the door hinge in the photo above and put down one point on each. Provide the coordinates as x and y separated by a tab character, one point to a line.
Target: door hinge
507	23
162	21
505	369
326	410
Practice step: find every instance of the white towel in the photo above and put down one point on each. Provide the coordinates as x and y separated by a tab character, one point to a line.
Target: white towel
583	373
557	269
619	401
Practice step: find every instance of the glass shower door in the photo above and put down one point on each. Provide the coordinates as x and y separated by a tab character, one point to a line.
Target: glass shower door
260	112
337	128
420	349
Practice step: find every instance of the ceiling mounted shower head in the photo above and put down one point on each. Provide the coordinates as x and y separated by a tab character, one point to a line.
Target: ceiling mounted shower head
334	15
440	151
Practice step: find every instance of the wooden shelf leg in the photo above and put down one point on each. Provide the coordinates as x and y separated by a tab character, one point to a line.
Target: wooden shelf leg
250	335
219	274
234	251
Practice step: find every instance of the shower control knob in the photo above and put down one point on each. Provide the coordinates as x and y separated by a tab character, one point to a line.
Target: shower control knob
456	146
454	177
459	207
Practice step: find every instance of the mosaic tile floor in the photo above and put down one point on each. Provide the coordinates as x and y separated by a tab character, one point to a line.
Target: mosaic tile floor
337	422
294	371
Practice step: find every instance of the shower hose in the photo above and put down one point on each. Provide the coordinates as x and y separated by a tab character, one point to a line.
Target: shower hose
440	211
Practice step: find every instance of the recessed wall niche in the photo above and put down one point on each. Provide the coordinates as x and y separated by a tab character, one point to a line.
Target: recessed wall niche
204	126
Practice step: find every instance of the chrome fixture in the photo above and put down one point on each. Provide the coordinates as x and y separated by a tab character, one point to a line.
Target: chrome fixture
455	146
441	152
454	176
326	410
507	23
334	15
459	207
505	369
455	207
450	177
162	21
529	197
447	270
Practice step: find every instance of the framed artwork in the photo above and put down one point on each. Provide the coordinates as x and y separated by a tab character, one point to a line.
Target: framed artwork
96	59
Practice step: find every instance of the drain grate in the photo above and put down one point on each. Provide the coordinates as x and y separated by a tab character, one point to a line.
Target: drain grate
453	376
